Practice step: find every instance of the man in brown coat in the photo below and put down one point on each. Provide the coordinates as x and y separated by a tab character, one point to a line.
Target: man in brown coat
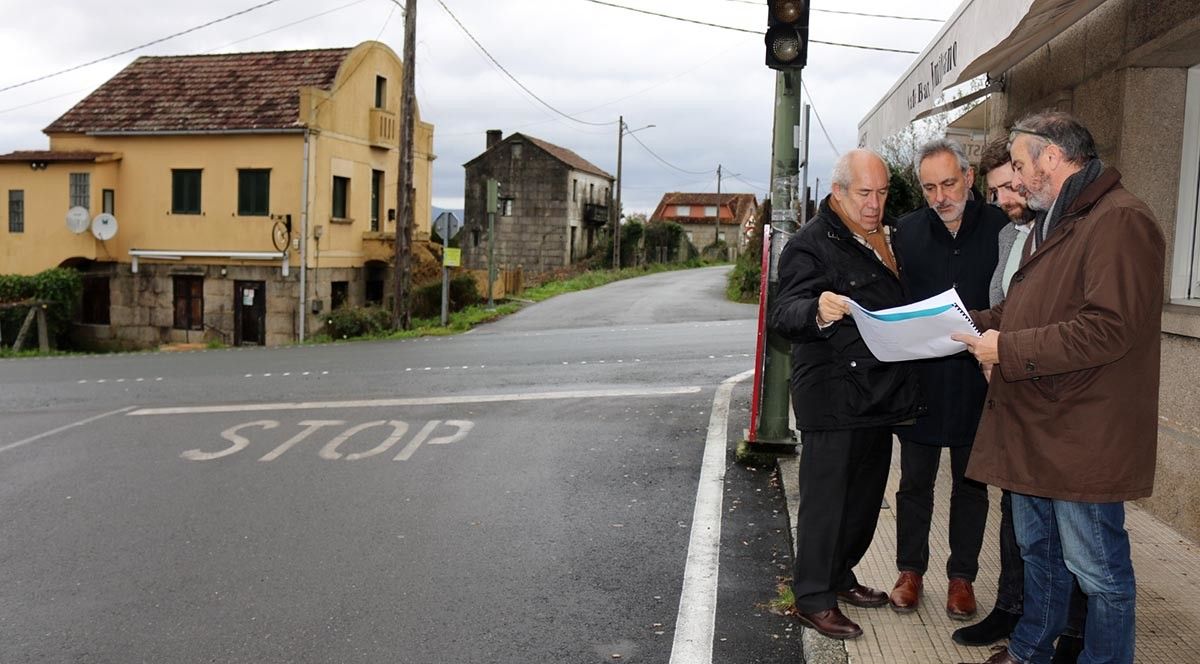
1070	424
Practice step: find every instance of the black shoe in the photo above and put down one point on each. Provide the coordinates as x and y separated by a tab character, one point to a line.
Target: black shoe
1067	650
996	626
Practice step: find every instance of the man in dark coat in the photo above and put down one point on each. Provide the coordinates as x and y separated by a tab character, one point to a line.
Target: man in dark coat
952	243
1070	426
845	400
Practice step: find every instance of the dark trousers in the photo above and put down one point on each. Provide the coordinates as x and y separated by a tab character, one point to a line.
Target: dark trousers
914	511
1010	588
842	480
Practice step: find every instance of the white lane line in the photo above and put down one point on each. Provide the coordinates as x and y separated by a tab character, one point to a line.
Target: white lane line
61	429
419	401
695	624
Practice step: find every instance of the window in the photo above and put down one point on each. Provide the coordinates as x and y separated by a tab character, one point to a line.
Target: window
374	278
591	192
506	207
574	189
721	236
189	302
380	92
474	237
683	211
185	191
690	236
254	192
376	196
341	192
81	190
516	150
16	210
1185	267
339	294
95	300
108	201
710	210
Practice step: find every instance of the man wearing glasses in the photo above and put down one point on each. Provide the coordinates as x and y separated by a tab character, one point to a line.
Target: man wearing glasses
1070	425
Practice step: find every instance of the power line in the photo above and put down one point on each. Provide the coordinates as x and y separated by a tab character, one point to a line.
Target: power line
140	47
819	122
655	155
288	25
836	11
496	62
346	79
754	32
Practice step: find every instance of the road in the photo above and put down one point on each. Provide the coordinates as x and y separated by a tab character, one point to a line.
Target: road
526	492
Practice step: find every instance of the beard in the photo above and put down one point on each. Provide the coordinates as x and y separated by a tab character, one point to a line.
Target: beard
1016	212
951	212
1037	194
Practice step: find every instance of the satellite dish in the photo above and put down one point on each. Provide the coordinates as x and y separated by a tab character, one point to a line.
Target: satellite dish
104	226
78	219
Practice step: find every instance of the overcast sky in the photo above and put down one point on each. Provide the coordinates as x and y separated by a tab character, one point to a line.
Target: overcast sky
705	89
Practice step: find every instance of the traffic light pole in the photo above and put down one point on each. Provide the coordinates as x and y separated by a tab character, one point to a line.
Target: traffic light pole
772	425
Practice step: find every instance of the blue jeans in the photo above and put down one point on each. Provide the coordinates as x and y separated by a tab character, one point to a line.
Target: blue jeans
1062	541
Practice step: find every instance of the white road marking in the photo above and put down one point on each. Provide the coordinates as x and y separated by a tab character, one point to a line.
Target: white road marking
695	623
418	401
61	429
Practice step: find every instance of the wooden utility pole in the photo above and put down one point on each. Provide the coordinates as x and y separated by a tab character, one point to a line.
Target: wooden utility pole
402	306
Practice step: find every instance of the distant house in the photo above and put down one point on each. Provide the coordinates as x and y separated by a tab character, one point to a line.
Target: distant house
228	174
698	214
553	204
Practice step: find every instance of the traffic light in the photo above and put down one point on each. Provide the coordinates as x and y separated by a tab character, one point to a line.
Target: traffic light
787	34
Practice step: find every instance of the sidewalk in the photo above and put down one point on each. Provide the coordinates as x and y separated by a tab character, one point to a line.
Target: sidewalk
1167	566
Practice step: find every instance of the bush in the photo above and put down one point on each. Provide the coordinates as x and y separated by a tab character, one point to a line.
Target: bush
349	322
665	238
61	286
427	300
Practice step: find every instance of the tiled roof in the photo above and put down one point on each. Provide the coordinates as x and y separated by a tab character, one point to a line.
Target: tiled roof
234	91
742	206
52	155
567	157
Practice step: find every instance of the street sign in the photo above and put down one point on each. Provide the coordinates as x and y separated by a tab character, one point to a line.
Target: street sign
447	225
451	257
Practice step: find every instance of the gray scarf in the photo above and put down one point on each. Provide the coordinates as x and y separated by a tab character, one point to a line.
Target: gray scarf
1047	223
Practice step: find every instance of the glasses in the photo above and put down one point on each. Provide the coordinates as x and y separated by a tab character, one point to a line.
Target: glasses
994	192
1018	130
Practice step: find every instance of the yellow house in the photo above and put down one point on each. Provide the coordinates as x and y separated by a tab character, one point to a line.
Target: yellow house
237	196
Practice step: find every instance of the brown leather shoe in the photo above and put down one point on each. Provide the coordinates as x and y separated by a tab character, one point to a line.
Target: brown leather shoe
831	623
960	600
1001	657
906	594
863	596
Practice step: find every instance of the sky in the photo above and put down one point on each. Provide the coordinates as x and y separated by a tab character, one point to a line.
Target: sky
705	89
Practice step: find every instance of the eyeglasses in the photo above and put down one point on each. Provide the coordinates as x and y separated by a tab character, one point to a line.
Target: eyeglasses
1018	130
994	192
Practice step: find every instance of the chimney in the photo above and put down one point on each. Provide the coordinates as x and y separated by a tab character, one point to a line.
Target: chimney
494	136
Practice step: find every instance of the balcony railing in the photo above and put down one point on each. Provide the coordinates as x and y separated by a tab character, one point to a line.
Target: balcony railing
383	128
595	214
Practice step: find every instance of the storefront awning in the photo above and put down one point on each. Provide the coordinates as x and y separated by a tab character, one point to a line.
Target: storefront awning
982	37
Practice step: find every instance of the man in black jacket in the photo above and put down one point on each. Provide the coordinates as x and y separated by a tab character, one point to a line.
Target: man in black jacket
845	400
952	243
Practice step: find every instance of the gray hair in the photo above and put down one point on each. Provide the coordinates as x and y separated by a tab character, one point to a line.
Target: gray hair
843	170
938	146
1056	128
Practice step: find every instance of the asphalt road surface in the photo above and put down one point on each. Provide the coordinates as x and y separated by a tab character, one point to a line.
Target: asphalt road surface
526	492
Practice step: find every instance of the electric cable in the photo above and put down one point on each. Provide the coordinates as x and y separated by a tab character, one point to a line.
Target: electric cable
819	121
139	47
496	62
655	155
755	32
837	11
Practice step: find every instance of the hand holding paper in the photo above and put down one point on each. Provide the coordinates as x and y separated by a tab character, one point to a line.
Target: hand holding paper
985	348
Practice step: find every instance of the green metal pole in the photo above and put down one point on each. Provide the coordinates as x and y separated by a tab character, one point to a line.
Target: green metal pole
785	167
493	199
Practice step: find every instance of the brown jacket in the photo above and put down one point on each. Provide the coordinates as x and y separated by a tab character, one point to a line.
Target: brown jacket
1072	409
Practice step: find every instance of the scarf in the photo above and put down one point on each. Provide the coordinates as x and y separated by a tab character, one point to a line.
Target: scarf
1046	223
877	239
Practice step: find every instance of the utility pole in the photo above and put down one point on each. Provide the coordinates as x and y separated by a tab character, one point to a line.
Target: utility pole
402	309
717	221
804	165
617	211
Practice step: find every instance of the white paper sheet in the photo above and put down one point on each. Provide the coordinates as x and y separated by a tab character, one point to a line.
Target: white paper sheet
915	331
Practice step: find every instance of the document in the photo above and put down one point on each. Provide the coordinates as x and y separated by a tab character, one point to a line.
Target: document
915	331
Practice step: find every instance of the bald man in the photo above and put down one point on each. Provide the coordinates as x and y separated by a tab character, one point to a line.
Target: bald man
845	400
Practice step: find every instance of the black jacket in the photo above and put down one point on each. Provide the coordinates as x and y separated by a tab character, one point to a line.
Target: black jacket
836	382
934	261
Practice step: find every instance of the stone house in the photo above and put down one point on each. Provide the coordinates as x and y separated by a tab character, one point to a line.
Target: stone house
252	192
1130	70
699	214
553	205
